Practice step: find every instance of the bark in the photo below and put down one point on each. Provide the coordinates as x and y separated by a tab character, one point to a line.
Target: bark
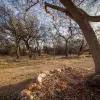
38	48
17	50
92	42
80	49
66	49
82	18
29	49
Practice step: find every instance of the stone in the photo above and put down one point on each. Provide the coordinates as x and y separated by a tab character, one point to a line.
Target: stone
31	86
51	71
91	75
62	69
23	93
58	70
93	80
39	80
30	97
42	75
46	72
24	98
68	68
96	77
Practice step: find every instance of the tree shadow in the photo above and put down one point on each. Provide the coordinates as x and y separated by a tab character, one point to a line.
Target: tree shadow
10	92
70	57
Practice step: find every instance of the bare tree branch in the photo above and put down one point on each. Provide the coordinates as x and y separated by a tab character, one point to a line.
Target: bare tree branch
89	18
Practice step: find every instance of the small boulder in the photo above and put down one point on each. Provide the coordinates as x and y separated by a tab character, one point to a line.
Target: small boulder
24	98
30	97
62	69
58	70
51	71
46	72
42	75
91	75
39	80
23	93
31	86
93	80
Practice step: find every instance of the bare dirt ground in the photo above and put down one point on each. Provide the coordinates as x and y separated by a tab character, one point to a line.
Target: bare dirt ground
15	75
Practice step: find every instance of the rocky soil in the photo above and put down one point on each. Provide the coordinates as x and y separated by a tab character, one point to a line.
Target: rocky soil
60	84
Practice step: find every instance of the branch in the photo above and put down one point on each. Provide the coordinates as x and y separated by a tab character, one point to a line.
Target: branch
79	12
94	18
32	5
80	3
55	7
91	18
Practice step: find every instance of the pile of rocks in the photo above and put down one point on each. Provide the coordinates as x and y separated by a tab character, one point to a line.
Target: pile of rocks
62	84
26	94
46	83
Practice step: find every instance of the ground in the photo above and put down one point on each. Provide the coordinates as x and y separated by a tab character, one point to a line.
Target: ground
16	74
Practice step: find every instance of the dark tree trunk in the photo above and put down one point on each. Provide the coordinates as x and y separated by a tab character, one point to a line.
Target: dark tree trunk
80	49
92	42
29	49
66	48
17	50
38	48
82	19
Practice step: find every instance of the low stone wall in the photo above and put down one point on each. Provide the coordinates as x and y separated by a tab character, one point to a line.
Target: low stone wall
36	83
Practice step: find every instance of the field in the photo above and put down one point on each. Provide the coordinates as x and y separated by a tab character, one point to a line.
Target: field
16	74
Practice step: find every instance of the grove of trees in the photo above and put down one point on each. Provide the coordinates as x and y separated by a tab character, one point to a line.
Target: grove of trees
70	33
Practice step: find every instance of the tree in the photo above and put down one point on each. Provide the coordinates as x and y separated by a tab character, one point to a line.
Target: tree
70	32
8	26
82	19
27	32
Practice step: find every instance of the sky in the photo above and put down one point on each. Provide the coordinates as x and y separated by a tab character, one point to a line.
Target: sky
42	16
37	11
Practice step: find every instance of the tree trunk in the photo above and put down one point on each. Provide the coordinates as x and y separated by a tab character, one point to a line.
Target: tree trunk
80	49
17	51
83	21
38	48
29	49
66	49
54	52
92	42
30	53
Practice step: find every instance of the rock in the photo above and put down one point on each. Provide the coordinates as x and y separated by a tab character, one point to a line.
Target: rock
51	71
55	70
96	77
93	80
58	70
24	98
39	80
63	69
31	86
30	97
91	75
23	93
46	72
42	75
68	68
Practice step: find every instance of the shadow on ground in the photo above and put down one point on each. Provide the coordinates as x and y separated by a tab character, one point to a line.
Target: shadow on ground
70	57
10	92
